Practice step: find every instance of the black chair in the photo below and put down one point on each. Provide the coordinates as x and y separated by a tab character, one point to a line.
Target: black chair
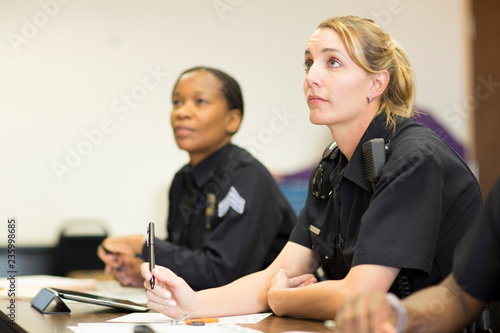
77	246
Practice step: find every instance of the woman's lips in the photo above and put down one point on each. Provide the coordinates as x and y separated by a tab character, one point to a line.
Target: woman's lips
315	99
183	130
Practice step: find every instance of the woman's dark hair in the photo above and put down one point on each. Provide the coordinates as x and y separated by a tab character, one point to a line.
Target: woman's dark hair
230	87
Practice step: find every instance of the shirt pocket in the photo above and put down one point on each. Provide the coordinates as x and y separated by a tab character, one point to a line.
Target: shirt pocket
323	244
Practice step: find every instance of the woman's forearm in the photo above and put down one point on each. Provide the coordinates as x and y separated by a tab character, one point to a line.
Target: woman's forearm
243	296
319	301
442	308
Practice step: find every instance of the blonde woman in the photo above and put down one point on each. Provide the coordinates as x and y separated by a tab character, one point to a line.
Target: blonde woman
397	233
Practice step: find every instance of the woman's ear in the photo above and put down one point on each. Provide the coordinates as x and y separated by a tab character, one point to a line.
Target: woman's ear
379	83
233	123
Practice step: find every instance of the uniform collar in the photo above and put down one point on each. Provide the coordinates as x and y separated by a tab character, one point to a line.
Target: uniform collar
207	168
355	170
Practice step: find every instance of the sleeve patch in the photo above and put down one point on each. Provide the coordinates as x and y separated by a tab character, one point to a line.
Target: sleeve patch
232	200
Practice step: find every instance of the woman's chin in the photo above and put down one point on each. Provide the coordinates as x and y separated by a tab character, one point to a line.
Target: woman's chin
316	120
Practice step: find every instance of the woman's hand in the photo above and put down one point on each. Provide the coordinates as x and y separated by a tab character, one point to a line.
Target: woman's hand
130	245
367	313
280	280
171	295
128	272
280	283
120	256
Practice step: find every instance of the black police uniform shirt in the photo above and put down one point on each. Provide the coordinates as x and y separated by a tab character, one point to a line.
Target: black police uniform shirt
477	258
421	207
235	223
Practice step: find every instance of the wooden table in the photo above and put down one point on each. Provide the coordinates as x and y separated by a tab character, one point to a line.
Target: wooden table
32	321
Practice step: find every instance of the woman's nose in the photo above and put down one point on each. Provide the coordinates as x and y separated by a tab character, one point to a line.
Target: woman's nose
184	111
313	76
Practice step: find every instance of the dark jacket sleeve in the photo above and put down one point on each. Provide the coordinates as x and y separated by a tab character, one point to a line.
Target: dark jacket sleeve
476	266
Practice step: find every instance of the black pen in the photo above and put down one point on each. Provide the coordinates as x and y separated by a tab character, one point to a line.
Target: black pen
143	329
151	245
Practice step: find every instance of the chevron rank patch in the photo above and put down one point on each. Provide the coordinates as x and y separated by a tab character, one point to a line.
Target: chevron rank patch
232	200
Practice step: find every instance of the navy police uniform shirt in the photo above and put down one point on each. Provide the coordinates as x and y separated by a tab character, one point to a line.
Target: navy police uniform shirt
477	258
422	205
235	222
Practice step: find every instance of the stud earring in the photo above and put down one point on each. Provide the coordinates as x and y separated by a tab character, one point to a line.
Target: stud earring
369	99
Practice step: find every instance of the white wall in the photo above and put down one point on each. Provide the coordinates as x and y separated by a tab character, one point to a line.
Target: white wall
67	67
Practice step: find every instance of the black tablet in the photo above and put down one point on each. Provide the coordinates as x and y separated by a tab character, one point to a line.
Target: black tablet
98	300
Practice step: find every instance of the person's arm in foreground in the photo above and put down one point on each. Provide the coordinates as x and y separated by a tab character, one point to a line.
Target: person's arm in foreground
442	308
268	289
322	300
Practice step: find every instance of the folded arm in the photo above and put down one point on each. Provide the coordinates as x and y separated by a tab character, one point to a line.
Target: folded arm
322	300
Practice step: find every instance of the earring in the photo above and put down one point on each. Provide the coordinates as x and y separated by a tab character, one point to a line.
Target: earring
369	99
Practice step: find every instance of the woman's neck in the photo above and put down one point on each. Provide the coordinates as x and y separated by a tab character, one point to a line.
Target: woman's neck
347	136
196	158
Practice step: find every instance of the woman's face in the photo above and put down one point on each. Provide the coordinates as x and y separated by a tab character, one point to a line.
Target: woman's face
200	117
335	87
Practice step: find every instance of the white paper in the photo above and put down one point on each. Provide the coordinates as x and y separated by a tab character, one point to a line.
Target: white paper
244	319
155	317
158	328
28	286
139	317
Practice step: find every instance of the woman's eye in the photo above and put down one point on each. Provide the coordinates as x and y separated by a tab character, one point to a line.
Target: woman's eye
201	101
307	65
176	102
333	63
